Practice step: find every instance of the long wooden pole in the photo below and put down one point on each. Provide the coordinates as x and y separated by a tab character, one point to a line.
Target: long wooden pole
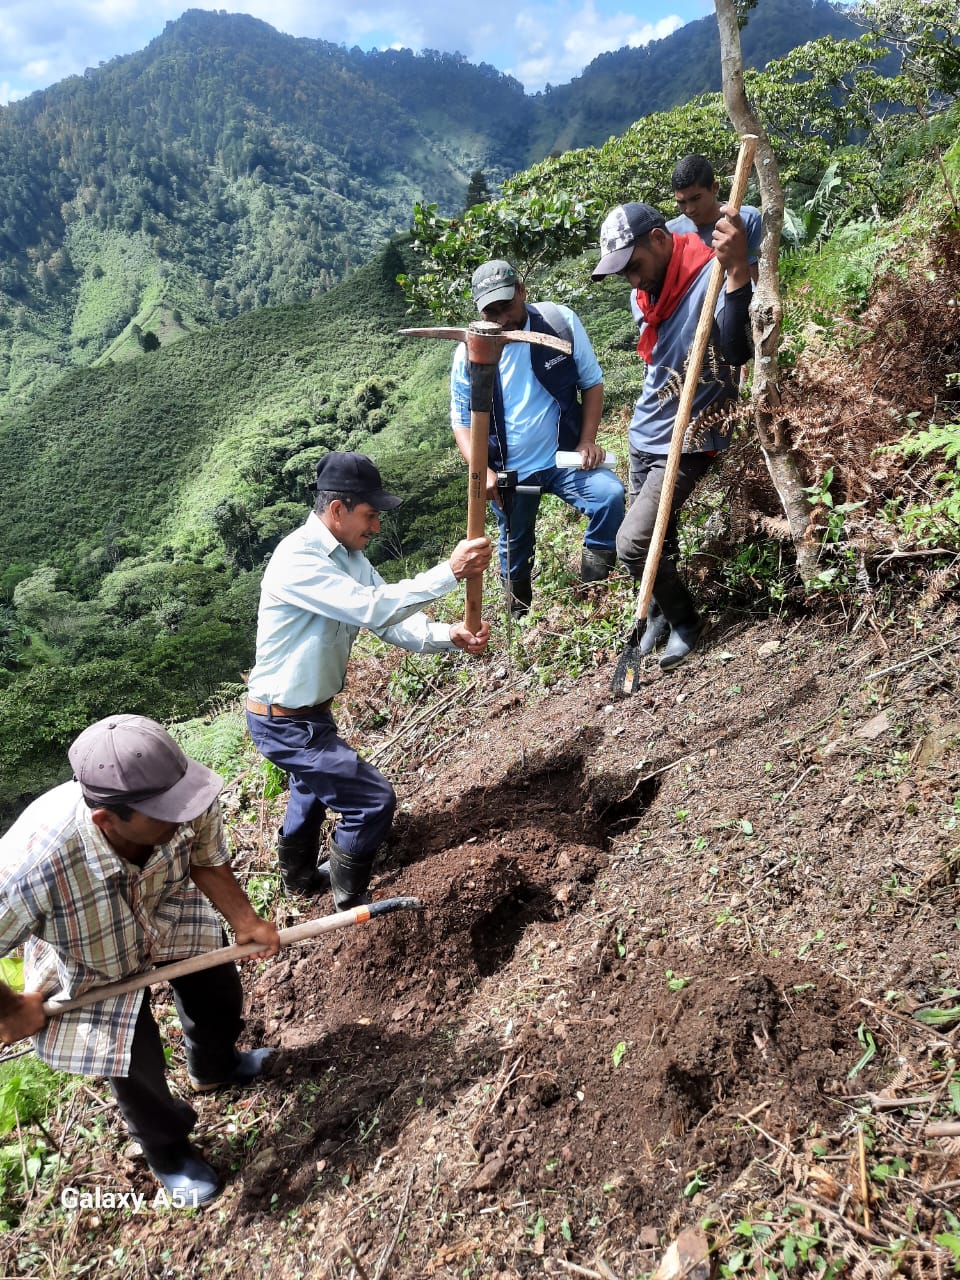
483	355
748	146
222	955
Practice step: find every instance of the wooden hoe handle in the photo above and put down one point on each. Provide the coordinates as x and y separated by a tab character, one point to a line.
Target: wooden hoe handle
298	933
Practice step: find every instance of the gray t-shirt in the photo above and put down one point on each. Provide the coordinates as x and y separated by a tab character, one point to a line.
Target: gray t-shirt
652	424
683	226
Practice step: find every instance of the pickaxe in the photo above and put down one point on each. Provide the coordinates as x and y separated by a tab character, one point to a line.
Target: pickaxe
485	341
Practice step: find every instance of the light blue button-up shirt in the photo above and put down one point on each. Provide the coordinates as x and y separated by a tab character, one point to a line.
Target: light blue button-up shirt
532	414
315	597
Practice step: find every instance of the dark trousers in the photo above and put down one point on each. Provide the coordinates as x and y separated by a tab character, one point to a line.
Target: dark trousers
635	534
325	772
210	1007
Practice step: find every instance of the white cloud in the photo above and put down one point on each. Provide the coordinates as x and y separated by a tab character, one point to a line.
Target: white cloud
544	40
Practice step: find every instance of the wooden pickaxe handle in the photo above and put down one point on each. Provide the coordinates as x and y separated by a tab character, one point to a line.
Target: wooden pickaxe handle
179	968
748	147
483	355
484	342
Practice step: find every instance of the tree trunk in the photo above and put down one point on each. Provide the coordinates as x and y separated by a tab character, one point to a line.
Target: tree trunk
766	310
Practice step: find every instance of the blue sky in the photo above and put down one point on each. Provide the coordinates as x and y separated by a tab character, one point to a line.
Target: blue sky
42	41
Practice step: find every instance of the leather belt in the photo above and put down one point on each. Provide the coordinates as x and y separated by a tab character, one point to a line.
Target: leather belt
274	709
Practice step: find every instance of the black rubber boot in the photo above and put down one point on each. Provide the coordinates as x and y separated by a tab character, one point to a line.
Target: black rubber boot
349	878
686	625
299	872
519	597
184	1174
655	632
683	640
597	564
248	1066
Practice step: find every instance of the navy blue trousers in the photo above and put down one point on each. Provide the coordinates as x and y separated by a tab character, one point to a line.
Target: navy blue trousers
326	773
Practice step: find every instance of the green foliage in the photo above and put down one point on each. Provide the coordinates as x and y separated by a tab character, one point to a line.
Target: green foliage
28	1090
811	104
221	743
924	32
937	521
11	972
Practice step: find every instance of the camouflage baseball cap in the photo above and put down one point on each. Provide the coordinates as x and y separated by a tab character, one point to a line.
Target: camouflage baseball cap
494	281
622	228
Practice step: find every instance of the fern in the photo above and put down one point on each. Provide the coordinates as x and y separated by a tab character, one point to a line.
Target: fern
938	519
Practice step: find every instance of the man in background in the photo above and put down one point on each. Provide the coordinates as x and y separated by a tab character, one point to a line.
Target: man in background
104	877
696	192
543	401
318	590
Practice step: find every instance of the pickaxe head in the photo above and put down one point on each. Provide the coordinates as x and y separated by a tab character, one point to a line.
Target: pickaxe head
486	340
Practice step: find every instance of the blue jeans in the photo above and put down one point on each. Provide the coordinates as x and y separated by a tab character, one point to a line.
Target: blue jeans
598	495
326	772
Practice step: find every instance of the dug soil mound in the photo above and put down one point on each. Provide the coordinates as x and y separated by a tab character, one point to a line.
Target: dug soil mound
668	968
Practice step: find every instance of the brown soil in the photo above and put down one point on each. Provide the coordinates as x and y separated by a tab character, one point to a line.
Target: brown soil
658	935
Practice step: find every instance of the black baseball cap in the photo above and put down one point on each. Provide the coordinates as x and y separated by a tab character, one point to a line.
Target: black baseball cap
355	474
494	281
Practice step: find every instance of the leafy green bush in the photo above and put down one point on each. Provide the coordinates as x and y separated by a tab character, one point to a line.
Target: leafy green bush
936	521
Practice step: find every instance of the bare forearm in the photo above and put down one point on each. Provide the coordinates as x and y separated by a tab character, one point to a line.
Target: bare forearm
591	411
221	886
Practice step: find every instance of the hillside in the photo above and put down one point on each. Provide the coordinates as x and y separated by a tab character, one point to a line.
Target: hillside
227	166
142	498
620	87
672	967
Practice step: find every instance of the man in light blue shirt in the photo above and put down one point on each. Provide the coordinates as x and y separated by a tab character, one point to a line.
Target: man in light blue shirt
318	590
543	401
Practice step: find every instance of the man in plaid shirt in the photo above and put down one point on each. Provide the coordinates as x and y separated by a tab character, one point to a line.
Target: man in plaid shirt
107	876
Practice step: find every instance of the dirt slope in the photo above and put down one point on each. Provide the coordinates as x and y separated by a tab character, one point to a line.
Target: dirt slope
658	936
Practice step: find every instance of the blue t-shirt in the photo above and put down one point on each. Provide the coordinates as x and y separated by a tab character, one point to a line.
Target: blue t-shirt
683	226
532	415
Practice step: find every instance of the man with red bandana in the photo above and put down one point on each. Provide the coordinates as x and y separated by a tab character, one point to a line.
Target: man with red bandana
668	275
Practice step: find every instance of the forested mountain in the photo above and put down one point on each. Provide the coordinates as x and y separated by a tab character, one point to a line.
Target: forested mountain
227	166
618	88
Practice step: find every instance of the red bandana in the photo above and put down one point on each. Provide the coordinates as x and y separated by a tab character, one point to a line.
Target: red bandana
686	262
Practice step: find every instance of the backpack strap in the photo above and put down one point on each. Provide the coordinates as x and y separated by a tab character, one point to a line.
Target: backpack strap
554	318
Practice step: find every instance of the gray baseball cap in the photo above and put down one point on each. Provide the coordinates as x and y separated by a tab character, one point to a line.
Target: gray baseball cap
132	760
494	281
622	228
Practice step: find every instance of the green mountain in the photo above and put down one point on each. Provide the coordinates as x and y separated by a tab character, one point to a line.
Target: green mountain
141	499
227	166
618	88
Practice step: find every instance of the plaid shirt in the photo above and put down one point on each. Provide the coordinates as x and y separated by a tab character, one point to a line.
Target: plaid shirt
86	916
